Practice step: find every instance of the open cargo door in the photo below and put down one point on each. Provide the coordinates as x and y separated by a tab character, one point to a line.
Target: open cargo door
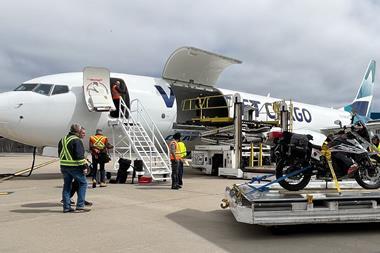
195	66
96	87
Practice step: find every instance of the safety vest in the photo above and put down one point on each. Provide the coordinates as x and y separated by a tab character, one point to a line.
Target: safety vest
115	92
177	151
377	149
65	157
182	149
98	141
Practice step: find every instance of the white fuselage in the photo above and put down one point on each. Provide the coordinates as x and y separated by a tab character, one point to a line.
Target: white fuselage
41	120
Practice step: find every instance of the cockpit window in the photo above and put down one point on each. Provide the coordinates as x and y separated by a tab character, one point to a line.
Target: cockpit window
59	89
26	87
43	89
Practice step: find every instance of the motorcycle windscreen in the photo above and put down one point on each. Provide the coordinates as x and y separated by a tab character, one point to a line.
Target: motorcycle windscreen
196	66
96	87
318	138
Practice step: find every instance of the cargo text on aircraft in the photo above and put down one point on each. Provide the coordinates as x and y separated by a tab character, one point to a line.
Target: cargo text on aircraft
299	114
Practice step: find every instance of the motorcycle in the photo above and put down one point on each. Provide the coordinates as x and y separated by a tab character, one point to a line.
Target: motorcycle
295	152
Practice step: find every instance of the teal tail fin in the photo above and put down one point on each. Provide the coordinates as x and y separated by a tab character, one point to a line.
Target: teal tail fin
361	106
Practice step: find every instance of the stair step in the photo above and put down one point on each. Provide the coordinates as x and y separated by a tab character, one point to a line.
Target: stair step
148	153
147	149
157	161
160	168
161	173
154	160
167	179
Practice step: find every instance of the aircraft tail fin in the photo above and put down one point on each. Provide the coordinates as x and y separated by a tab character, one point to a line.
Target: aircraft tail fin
361	106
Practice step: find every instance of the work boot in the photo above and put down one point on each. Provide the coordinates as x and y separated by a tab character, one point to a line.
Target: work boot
70	210
87	203
82	210
102	184
94	183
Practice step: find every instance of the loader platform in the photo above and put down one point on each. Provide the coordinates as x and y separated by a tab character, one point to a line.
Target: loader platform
278	207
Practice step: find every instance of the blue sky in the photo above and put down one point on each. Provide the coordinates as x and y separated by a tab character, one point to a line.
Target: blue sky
310	51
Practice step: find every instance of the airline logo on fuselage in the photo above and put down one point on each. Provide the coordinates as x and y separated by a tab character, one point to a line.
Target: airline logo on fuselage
168	99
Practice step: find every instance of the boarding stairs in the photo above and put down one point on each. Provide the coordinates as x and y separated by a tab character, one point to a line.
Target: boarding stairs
135	135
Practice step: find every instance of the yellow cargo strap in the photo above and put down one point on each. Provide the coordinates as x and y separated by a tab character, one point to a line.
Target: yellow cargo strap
327	153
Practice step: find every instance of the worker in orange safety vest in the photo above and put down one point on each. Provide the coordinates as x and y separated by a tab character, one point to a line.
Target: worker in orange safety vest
99	146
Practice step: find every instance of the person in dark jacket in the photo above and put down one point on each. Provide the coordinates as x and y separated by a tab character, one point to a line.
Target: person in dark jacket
75	184
116	92
73	164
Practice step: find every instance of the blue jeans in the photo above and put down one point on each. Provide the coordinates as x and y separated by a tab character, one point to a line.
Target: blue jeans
180	172
174	173
70	173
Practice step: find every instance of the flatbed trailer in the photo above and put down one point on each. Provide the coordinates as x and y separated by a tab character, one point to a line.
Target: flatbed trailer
278	207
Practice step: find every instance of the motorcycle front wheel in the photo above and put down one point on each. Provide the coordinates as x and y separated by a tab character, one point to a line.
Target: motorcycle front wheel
294	183
368	180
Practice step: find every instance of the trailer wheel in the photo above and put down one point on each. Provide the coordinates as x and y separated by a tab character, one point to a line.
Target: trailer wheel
295	183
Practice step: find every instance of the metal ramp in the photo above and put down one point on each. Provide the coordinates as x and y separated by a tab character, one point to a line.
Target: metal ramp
276	207
137	136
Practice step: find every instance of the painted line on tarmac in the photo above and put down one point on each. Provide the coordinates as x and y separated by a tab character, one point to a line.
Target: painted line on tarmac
5	193
19	173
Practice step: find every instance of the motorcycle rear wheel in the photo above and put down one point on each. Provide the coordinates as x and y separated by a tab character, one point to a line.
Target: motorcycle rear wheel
295	183
366	181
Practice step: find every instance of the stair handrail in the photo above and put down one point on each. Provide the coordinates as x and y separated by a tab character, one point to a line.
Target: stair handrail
122	116
142	112
134	119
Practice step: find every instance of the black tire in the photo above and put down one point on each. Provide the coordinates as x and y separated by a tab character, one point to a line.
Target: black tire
375	180
291	186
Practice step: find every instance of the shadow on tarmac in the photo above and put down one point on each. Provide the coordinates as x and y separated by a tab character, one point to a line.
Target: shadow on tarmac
40	207
323	229
35	211
40	176
221	228
41	204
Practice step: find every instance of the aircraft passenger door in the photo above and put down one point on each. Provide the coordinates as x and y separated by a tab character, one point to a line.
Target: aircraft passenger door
96	87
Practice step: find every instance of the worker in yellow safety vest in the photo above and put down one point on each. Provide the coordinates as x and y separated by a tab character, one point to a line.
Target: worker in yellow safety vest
175	158
376	142
73	164
99	146
183	154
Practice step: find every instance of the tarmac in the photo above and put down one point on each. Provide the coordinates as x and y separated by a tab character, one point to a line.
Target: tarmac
135	218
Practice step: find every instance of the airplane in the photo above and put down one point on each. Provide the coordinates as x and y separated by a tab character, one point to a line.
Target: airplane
40	111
